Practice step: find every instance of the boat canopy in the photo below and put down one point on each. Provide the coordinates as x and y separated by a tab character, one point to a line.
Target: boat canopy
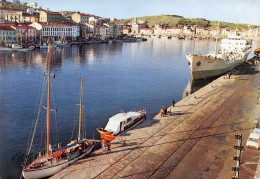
114	122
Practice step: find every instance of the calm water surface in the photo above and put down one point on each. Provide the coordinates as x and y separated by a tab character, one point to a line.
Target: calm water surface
116	76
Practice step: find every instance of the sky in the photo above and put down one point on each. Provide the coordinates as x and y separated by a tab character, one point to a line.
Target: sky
236	11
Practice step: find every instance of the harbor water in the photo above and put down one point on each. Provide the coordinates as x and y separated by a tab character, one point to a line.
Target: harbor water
117	76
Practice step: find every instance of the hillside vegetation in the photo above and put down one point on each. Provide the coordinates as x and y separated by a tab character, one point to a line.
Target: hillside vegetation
179	21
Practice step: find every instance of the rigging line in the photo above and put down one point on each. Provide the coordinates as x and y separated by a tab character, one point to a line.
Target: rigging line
74	124
55	119
34	118
35	125
56	125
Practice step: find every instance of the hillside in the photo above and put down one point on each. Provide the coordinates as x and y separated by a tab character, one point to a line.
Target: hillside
179	21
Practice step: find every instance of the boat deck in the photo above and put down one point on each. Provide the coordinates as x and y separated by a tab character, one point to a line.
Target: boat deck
195	142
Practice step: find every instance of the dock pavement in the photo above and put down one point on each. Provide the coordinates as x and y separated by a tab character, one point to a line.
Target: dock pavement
196	141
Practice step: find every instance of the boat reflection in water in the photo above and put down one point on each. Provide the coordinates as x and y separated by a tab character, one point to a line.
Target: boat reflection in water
195	85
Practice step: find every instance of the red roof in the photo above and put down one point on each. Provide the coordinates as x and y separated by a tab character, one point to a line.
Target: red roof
200	28
54	13
6	24
6	28
82	14
146	29
22	27
52	24
10	10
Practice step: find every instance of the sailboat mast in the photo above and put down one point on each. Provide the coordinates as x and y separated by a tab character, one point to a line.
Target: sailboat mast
216	42
48	104
80	109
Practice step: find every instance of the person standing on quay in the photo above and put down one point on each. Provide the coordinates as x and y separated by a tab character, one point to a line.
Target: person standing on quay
173	103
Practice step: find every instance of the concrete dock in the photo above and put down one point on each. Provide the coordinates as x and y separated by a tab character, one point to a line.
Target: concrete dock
195	142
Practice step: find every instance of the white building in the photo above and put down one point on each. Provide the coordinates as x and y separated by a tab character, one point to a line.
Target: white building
94	20
170	31
7	36
146	31
2	15
25	33
33	5
81	18
56	30
75	32
97	31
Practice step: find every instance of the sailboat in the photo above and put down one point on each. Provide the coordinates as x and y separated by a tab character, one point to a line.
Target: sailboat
53	162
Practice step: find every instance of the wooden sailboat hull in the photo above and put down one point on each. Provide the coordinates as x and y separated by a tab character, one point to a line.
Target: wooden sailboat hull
49	171
44	172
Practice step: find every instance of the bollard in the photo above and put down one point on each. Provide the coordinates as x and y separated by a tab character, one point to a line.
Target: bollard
237	157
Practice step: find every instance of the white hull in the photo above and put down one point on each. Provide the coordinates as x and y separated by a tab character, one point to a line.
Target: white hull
24	49
46	46
6	49
52	170
208	66
44	172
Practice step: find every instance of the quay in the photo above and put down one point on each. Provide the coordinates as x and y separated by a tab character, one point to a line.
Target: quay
197	141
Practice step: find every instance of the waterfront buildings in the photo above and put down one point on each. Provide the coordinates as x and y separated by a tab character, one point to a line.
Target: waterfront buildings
7	36
172	31
146	31
136	26
51	17
25	33
12	15
81	18
56	30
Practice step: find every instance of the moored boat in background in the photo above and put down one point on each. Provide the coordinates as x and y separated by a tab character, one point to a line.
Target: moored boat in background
234	50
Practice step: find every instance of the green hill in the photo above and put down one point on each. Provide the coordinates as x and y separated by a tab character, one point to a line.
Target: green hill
179	21
169	20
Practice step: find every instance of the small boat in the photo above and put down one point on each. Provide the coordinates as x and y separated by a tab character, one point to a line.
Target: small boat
108	137
45	46
181	37
56	160
25	49
103	131
121	122
6	49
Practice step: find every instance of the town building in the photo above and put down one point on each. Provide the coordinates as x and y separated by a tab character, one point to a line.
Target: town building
201	31
2	15
56	30
114	30
49	16
25	33
95	20
12	15
28	18
173	31
126	30
160	31
136	26
33	5
187	30
97	31
215	32
81	18
7	36
146	31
